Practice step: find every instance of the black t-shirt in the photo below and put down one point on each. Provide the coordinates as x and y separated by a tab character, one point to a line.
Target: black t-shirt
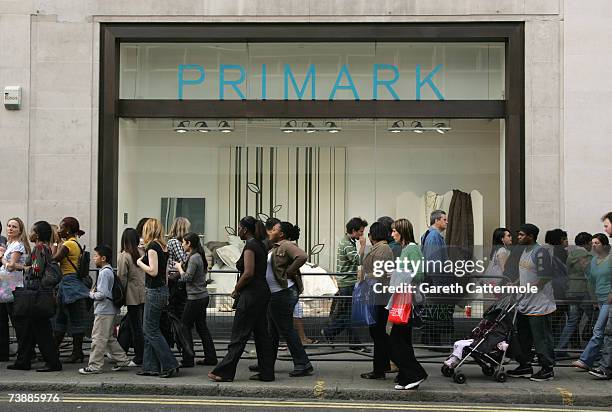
258	281
153	282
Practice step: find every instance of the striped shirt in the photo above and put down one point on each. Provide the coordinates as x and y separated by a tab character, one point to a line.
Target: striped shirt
347	260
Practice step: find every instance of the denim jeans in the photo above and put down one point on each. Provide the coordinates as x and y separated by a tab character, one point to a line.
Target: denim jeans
340	316
574	316
280	322
158	357
592	352
606	351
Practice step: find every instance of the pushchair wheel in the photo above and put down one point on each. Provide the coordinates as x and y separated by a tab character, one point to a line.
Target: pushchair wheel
446	371
501	376
459	378
488	370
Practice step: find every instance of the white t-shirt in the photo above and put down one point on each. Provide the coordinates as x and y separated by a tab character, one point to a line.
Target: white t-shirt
272	283
12	247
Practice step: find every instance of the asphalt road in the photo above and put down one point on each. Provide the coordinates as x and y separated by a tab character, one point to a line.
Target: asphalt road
151	403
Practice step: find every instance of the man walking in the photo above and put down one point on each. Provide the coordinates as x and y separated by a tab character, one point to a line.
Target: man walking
347	260
534	320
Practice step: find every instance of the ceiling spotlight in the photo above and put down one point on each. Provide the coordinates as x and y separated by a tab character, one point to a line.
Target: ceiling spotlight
182	127
417	126
310	128
225	127
331	127
202	127
441	128
397	126
289	126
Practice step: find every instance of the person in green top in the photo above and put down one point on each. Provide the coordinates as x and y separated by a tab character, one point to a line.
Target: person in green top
348	260
598	274
411	255
578	260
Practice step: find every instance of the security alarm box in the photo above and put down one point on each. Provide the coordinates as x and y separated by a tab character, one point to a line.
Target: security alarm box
12	97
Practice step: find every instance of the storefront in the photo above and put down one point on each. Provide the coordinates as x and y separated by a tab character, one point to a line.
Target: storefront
311	123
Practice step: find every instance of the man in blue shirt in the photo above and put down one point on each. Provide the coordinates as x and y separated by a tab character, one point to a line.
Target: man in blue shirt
438	317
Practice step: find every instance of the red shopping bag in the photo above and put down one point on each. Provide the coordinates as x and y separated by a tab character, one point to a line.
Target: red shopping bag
401	308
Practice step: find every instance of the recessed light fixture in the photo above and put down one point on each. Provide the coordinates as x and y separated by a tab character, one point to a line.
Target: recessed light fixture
183	127
224	127
332	127
396	127
417	127
202	127
290	126
310	128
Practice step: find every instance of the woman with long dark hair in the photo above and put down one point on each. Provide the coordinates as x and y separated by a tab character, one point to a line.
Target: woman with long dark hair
193	273
74	313
411	372
500	252
133	280
285	283
158	359
37	331
252	296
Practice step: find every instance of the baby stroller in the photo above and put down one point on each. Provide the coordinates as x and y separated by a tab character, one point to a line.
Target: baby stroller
487	344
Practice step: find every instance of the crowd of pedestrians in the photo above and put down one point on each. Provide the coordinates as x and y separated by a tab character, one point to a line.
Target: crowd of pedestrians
157	274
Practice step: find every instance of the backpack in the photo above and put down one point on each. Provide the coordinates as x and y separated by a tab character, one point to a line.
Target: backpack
118	292
82	270
52	274
559	277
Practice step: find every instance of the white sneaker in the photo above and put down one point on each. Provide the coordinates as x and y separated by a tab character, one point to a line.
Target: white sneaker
414	385
89	371
400	387
132	364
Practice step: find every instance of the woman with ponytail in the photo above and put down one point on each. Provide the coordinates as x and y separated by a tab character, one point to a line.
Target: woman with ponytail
252	296
193	273
285	282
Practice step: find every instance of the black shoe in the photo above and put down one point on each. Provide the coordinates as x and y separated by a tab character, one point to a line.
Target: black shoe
50	369
373	375
16	367
326	338
543	375
170	373
523	371
600	373
143	373
305	372
254	368
258	377
362	349
207	362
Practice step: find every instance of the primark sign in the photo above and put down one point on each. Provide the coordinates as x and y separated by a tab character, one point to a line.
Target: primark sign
232	79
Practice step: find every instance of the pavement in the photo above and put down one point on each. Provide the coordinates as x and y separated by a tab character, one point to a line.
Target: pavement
333	379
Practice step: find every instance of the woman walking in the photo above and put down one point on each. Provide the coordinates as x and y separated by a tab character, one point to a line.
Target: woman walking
37	331
598	274
285	283
158	359
252	296
13	260
193	273
74	312
133	281
411	373
380	254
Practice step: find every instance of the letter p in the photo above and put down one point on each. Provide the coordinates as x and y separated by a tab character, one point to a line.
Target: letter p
181	77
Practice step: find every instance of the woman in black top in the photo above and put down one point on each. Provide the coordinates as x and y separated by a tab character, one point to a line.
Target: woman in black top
158	359
252	295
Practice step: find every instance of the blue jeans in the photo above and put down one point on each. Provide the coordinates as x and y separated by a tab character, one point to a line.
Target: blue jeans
574	316
158	358
606	351
340	316
280	322
592	352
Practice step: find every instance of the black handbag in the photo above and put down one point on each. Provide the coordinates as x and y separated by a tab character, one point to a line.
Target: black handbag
34	303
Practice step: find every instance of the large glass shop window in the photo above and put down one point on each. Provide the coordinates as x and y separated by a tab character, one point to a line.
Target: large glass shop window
319	71
313	172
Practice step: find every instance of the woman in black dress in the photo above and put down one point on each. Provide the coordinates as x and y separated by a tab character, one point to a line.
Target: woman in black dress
252	294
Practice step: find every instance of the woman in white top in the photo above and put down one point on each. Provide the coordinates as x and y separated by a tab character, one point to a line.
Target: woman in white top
500	251
13	260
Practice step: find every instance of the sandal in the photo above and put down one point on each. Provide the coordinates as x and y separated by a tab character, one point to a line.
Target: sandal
216	378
